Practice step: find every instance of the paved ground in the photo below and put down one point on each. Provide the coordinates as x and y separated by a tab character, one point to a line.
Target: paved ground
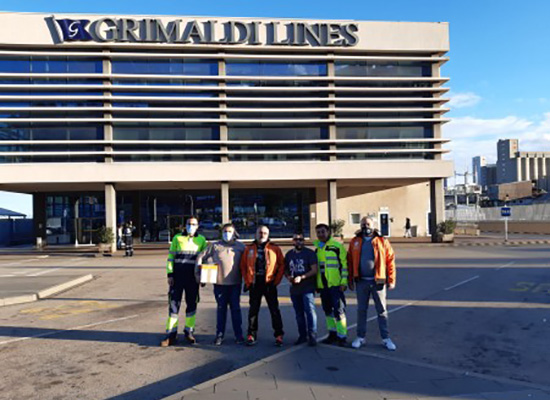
477	310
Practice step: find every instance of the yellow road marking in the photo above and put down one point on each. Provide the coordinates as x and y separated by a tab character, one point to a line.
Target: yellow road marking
64	310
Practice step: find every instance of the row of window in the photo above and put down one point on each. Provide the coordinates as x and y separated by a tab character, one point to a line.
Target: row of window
256	133
175	66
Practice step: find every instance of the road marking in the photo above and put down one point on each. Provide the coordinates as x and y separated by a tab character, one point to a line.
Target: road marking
73	308
265	360
52	333
505	265
47	271
7	276
462	283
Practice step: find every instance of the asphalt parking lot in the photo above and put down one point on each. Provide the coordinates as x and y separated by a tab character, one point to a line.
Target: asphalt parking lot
463	310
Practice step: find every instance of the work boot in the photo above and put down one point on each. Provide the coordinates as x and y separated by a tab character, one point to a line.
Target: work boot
190	338
170	340
312	340
331	339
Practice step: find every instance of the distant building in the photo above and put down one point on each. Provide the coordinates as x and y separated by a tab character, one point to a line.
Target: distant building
477	164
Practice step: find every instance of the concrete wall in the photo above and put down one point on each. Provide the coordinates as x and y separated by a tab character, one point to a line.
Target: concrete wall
406	201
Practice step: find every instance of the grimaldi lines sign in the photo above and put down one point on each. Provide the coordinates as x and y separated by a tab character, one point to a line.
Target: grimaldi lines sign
207	32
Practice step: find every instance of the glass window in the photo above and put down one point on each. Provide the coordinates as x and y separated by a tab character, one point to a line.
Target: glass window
384	132
172	66
261	133
167	132
284	211
264	68
382	68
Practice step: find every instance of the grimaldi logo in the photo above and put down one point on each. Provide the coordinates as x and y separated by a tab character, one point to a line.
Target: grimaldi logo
153	30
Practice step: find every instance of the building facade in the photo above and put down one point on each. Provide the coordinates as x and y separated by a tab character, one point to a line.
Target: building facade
286	123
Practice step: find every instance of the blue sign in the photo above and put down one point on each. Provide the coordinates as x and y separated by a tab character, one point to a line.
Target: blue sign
506	212
74	29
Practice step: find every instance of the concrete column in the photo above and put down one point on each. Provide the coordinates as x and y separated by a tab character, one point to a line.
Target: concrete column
437	206
224	135
534	169
110	210
39	218
332	201
108	127
519	170
332	126
225	203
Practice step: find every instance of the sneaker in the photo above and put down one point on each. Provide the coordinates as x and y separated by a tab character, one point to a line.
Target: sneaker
312	341
250	340
279	341
358	342
388	344
342	342
169	340
331	339
190	338
218	341
300	340
239	340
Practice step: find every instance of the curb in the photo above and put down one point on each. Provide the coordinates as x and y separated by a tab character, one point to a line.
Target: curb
43	294
27	298
509	243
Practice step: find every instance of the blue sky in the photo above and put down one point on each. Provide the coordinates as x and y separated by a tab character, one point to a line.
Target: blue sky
500	58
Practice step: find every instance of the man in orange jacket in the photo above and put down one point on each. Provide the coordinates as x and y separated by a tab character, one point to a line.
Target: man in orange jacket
371	265
262	268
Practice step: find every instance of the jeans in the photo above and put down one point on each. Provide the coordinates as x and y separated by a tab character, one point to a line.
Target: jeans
304	306
366	289
228	295
269	291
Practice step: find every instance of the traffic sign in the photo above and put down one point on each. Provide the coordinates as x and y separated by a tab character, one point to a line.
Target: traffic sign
505	212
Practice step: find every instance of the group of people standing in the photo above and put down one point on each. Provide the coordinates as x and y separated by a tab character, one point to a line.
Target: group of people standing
368	267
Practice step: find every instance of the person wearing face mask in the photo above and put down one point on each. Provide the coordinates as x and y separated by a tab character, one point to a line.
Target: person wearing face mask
180	268
371	262
263	267
227	254
301	271
332	281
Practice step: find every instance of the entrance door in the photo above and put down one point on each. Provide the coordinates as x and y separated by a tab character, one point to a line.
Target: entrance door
174	224
86	229
384	223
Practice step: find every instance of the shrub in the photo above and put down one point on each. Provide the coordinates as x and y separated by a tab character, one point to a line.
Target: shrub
337	227
446	227
106	235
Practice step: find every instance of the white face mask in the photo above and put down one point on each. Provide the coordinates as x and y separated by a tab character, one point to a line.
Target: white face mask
227	236
191	229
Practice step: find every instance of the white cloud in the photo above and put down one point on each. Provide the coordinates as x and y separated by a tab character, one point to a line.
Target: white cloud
478	137
462	100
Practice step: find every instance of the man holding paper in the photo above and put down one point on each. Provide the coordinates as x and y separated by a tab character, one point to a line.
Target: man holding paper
219	264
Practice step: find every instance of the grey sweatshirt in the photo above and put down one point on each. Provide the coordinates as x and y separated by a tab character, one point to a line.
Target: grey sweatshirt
227	255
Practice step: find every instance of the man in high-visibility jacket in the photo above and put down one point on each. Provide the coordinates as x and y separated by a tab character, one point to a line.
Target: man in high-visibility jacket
332	281
180	268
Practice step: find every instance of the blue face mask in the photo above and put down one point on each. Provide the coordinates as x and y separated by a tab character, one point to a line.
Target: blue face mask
191	229
227	236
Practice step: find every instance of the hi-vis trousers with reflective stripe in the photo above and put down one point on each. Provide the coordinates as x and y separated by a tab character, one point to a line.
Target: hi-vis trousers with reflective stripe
184	280
334	306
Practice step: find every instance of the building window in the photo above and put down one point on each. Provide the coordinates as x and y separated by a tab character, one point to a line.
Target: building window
354	218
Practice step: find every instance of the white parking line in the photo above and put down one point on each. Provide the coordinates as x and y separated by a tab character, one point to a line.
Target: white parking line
47	271
462	283
52	333
504	266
